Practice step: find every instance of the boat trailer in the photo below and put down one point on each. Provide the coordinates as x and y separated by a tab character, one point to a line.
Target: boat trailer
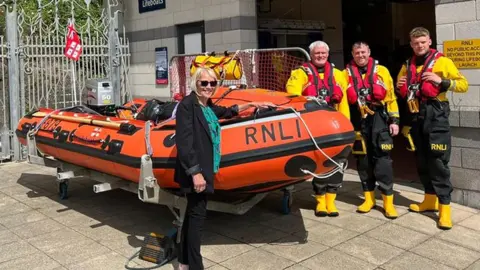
147	188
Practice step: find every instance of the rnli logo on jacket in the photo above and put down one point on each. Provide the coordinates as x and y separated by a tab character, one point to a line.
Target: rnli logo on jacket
438	147
386	146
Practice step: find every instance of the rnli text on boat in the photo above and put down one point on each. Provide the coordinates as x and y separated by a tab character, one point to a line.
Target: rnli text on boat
272	132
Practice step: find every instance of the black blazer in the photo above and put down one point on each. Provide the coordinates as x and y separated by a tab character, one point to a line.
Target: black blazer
194	142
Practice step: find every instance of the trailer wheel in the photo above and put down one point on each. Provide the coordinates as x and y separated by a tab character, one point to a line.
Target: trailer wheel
63	190
287	201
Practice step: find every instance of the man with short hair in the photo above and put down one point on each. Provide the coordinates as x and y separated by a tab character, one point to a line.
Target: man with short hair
375	117
424	80
320	78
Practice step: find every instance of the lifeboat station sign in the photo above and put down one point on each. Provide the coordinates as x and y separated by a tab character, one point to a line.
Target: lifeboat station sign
150	5
464	53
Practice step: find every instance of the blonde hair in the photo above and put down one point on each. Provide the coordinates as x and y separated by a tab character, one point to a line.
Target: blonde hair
419	32
196	76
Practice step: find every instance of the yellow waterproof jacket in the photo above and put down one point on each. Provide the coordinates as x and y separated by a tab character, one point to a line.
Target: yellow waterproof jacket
298	81
446	69
390	100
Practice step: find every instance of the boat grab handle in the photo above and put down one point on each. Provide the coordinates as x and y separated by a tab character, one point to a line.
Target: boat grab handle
89	134
86	139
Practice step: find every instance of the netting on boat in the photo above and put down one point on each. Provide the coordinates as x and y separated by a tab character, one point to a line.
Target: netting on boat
260	68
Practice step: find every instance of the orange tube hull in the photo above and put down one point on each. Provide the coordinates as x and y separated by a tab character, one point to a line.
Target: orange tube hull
258	154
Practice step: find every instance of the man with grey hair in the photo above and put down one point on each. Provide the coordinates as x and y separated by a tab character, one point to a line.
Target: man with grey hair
319	78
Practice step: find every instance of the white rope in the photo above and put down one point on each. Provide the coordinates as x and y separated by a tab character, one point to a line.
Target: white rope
147	138
35	130
341	167
327	175
174	116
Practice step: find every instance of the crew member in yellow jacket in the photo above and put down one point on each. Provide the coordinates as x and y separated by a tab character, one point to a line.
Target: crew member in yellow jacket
375	117
319	78
423	81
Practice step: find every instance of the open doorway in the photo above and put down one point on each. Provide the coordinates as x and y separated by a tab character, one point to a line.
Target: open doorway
385	25
287	23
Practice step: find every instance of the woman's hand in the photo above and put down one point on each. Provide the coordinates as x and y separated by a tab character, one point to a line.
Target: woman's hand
199	183
259	105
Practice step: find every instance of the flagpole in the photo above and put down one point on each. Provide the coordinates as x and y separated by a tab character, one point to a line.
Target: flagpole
73	50
74	82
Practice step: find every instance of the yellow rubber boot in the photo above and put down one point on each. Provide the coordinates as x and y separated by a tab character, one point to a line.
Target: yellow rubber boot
331	209
321	209
430	203
445	217
369	202
388	206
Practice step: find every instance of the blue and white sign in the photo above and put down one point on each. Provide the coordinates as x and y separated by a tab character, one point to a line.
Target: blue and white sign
150	5
161	65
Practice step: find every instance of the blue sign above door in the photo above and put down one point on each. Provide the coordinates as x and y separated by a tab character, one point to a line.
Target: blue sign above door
150	5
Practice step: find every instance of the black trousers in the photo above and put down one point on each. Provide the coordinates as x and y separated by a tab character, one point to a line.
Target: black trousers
432	138
376	165
330	185
189	248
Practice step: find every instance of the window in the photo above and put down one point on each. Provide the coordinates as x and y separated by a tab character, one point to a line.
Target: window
191	38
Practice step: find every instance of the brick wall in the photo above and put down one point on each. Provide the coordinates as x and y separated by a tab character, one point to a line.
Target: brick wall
461	20
229	25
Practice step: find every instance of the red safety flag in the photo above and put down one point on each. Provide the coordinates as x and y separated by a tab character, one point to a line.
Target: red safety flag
73	48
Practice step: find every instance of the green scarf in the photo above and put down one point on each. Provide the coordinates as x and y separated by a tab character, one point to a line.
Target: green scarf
214	126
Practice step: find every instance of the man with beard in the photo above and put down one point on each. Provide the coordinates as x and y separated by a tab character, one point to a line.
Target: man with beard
319	78
424	80
375	117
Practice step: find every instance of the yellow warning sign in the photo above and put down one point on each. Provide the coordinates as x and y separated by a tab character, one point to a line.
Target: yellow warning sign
464	53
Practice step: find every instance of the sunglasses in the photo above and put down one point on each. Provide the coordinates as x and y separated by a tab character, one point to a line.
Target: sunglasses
205	83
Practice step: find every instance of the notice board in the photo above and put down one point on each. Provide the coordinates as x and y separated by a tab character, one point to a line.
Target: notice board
464	53
161	65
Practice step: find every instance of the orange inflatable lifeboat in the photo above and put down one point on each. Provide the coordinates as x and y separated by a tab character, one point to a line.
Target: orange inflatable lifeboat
261	150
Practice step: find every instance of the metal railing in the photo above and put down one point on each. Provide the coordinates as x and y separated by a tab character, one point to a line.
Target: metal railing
35	72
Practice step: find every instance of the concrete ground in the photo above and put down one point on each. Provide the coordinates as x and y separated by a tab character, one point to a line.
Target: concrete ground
101	231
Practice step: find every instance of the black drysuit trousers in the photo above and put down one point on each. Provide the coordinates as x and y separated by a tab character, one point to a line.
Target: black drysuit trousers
330	184
189	248
432	138
376	165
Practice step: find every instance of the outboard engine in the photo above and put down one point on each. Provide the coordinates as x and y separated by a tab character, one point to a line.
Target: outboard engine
98	96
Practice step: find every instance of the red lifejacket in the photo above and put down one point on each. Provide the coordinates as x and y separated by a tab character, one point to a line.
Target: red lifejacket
326	88
427	89
376	88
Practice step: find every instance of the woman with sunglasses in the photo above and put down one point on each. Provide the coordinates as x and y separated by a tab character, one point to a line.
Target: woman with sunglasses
198	139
